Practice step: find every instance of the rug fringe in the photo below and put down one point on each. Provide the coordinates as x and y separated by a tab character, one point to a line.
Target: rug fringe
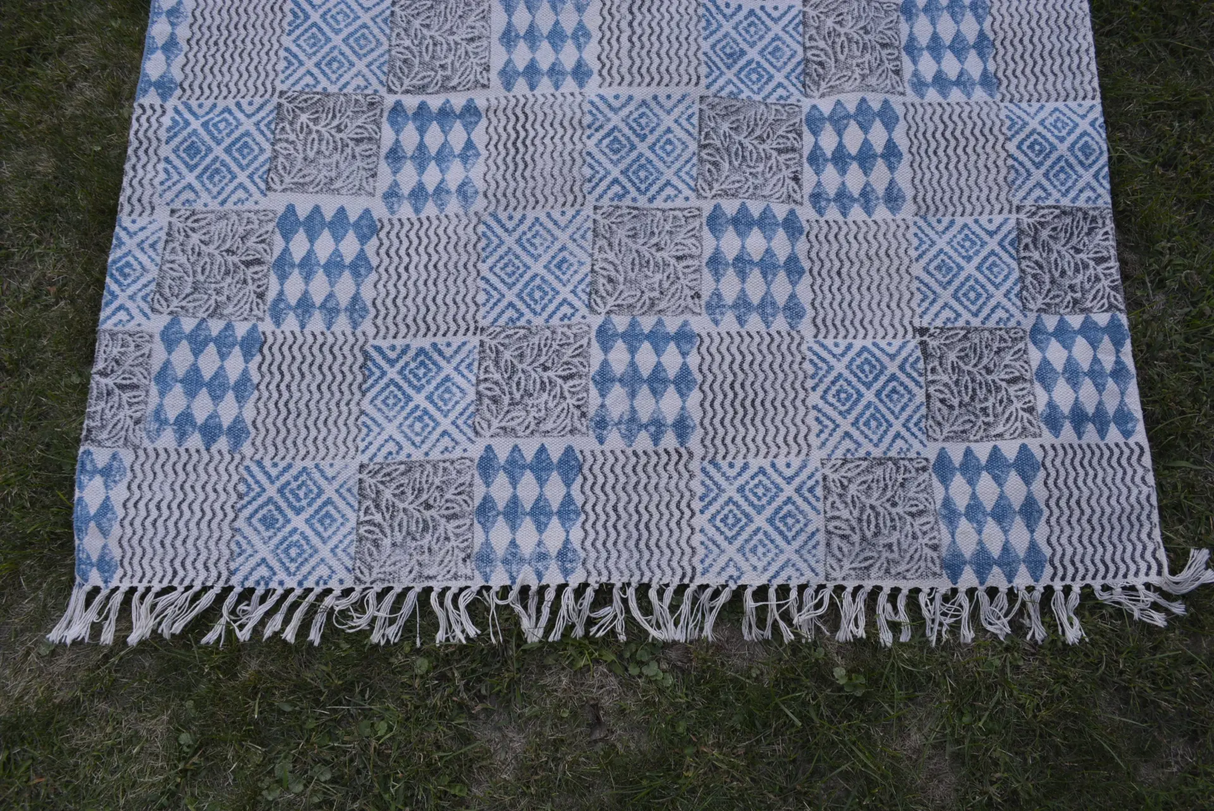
665	612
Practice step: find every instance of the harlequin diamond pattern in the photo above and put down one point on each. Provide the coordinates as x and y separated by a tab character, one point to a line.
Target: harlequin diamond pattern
641	149
336	45
130	276
161	70
870	397
967	273
535	268
948	49
217	153
755	266
1059	154
642	382
1086	388
761	522
295	525
543	45
319	267
101	477
990	502
855	150
202	382
419	400
432	158
752	50
528	515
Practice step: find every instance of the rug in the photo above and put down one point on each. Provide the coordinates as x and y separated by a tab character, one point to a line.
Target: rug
604	313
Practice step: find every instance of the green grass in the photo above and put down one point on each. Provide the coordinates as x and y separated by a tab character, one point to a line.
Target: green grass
1124	720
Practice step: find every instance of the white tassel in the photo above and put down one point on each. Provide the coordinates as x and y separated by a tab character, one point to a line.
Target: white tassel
583	612
1064	611
111	617
68	626
750	620
884	613
436	605
1195	573
713	609
815	602
1032	606
322	613
612	616
994	615
564	615
217	632
293	626
254	612
644	621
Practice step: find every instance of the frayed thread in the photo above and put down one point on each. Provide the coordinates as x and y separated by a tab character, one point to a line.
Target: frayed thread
667	613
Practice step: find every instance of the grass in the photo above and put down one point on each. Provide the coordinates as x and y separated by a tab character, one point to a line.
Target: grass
1126	719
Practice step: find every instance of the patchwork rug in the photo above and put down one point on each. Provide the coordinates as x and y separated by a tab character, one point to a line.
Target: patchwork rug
604	312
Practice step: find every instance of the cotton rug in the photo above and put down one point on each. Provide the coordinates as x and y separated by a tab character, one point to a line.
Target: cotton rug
601	313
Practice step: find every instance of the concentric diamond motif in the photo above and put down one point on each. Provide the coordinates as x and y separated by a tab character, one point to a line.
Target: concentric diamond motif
419	400
871	398
130	275
752	49
336	45
432	157
1059	154
761	522
295	526
990	500
528	515
641	149
217	153
966	272
535	268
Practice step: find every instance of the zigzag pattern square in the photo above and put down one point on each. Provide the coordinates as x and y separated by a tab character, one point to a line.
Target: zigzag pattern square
1086	386
534	268
419	400
644	382
320	264
752	50
870	398
641	148
295	526
101	485
1044	50
544	45
432	161
130	275
854	151
425	281
336	45
217	153
755	266
535	135
1059	154
966	271
859	279
203	377
168	27
991	504
762	522
948	49
528	515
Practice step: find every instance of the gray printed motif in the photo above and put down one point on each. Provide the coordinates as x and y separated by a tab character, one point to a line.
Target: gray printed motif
1068	261
438	46
880	520
533	381
414	523
118	391
646	261
851	46
750	150
326	143
979	385
216	264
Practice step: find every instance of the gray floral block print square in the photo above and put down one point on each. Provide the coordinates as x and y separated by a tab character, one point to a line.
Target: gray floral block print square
414	523
326	143
1068	261
534	381
852	45
646	261
118	391
880	520
438	46
979	384
216	264
750	150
